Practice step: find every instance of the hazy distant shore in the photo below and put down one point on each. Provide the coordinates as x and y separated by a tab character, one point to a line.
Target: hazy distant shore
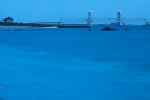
25	27
12	26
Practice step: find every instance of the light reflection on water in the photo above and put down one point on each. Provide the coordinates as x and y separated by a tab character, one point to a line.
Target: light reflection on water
74	65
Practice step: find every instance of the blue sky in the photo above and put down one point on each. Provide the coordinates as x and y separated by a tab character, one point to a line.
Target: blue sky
53	10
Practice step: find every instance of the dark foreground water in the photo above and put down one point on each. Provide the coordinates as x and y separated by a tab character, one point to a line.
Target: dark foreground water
74	65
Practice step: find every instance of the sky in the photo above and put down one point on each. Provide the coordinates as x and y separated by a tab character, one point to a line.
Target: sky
54	10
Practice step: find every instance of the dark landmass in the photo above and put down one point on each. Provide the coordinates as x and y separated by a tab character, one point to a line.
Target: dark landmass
26	24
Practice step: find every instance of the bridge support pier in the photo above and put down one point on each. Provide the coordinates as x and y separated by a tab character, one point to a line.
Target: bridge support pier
90	17
119	18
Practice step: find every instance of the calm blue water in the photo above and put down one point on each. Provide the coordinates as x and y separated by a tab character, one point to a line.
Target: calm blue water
74	65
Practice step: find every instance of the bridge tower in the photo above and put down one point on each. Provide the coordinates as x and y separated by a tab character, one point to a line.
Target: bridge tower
89	20
119	18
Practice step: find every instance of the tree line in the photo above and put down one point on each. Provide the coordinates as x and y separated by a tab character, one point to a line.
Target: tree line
8	20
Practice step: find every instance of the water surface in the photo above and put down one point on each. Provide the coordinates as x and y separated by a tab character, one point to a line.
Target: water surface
67	65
